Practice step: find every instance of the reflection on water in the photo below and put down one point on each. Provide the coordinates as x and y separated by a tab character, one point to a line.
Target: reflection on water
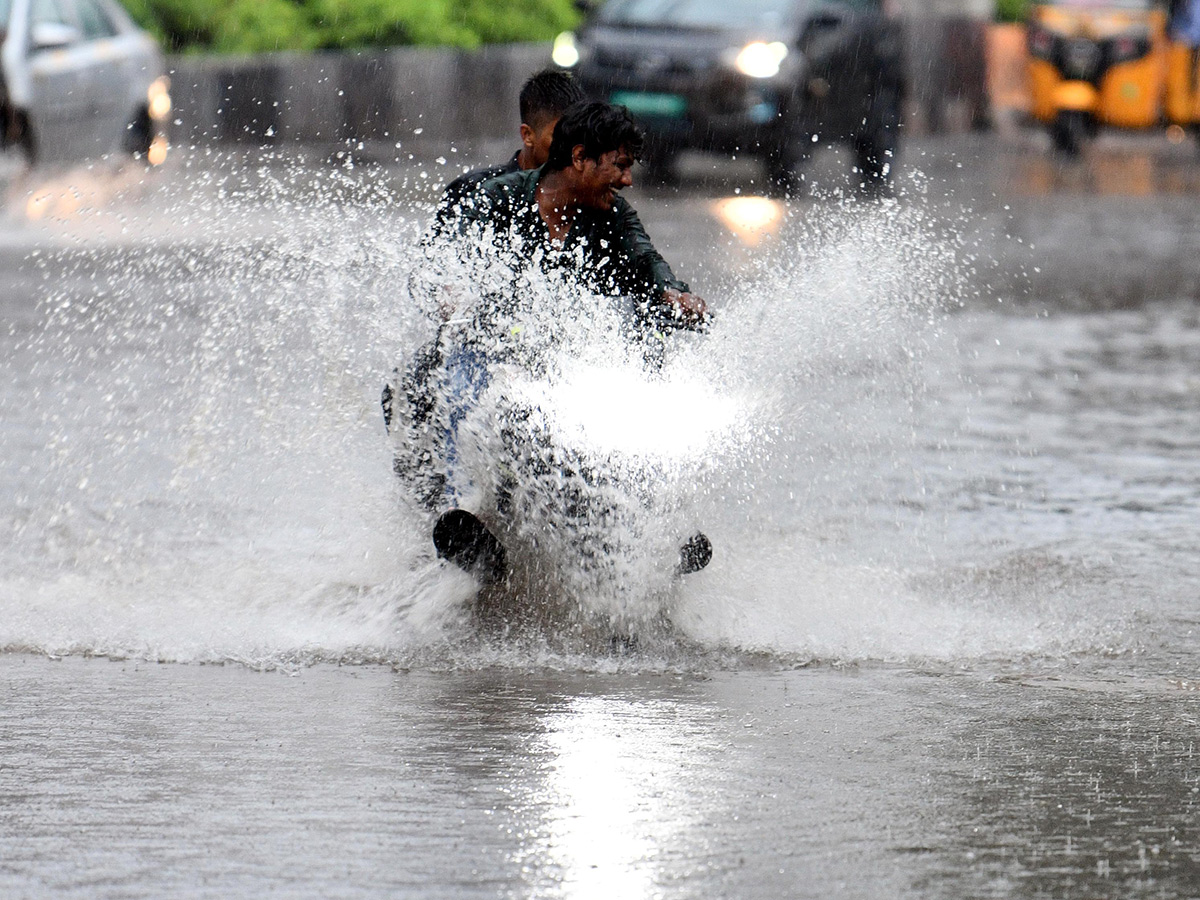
750	218
612	788
74	194
861	782
1108	170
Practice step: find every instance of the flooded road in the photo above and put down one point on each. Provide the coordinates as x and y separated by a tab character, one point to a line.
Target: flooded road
945	648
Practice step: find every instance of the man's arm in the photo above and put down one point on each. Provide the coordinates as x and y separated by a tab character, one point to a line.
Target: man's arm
648	263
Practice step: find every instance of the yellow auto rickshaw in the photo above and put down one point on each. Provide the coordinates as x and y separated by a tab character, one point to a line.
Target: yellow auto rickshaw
1096	62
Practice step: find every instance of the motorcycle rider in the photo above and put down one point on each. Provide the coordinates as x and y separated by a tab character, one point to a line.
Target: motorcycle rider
566	216
543	99
572	207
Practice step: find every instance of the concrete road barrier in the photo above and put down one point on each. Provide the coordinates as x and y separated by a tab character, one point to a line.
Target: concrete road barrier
427	100
423	99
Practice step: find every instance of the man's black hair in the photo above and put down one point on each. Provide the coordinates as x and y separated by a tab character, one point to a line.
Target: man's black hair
547	95
599	127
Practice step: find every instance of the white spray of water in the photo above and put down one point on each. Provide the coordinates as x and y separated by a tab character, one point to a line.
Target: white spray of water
208	479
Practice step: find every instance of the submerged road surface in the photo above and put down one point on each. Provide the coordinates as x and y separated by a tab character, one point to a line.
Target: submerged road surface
946	647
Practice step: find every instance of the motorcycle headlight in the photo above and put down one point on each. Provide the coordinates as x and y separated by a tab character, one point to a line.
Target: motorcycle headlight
759	59
565	51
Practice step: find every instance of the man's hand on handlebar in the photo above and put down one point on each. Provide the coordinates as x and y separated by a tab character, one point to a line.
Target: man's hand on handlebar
691	308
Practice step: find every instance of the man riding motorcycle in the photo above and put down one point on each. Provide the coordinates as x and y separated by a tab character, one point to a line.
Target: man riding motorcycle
566	221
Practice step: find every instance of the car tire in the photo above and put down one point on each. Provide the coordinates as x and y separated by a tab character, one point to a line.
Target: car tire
785	168
876	146
139	134
786	161
18	134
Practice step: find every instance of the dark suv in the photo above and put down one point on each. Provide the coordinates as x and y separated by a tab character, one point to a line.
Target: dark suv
775	78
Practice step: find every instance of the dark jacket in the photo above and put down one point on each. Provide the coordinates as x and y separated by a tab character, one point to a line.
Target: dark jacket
465	185
609	249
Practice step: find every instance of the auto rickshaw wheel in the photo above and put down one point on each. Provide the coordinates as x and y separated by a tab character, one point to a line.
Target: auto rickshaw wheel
1070	131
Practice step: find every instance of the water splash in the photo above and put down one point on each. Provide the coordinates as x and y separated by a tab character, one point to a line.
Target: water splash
203	474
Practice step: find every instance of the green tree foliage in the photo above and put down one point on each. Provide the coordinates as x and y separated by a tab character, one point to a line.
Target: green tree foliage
256	26
382	23
1012	10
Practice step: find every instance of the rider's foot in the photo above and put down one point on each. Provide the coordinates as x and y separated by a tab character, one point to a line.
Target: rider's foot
465	541
695	554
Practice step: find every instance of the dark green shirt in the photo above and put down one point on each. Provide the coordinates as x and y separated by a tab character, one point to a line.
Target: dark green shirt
464	186
609	250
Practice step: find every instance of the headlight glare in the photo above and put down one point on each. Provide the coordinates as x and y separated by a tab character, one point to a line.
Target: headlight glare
565	53
759	59
158	98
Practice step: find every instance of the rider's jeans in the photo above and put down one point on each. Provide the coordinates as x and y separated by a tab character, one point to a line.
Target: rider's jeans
466	378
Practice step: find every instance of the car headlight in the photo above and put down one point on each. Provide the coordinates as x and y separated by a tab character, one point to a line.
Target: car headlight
565	53
158	98
759	59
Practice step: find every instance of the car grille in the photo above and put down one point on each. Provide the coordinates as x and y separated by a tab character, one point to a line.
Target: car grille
703	94
615	62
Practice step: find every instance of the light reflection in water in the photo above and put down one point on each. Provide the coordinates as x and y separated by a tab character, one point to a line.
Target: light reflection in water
1105	171
751	219
78	193
612	789
157	154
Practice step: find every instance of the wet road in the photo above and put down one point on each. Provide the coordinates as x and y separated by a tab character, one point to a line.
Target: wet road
946	648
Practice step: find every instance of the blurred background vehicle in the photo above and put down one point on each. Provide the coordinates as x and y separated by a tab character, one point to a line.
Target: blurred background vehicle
1095	63
78	79
775	78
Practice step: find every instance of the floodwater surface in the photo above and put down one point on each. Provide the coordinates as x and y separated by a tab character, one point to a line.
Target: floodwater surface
945	647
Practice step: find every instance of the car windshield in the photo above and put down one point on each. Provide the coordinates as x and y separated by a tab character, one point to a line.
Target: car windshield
697	13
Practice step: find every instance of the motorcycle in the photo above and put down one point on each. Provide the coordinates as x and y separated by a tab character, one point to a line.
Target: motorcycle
563	491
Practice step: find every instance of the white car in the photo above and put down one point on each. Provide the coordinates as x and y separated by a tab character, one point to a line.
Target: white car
78	80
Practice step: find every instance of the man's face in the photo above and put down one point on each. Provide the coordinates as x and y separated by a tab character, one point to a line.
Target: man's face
601	179
536	139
